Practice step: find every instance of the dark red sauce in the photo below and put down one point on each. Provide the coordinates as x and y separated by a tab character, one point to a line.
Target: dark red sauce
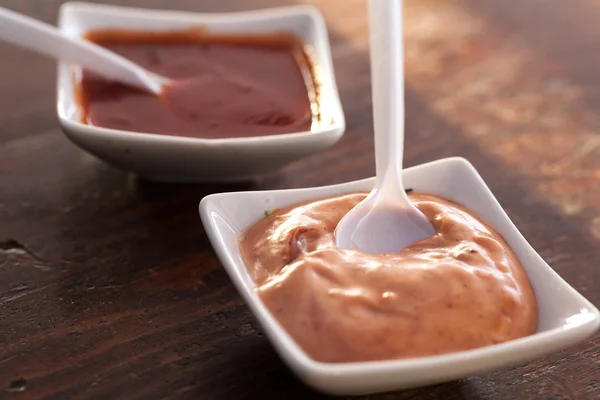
224	86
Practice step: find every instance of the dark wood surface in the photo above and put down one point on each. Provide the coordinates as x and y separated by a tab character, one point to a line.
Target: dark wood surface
108	285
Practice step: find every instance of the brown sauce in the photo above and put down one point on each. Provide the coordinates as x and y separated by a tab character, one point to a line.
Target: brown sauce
461	289
224	86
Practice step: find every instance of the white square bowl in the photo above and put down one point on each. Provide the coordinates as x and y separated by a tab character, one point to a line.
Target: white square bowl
173	158
565	316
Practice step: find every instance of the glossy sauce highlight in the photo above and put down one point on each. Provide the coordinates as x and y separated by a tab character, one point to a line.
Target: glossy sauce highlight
223	86
461	289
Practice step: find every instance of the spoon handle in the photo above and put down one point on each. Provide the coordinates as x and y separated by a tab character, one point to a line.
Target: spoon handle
387	64
46	39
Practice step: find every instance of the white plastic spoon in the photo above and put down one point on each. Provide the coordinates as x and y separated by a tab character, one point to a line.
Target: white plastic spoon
43	38
385	221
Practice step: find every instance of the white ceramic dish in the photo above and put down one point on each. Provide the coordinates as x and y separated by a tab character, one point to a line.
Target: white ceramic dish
171	158
565	317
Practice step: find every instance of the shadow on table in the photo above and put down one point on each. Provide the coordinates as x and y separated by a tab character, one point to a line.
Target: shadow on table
269	375
148	240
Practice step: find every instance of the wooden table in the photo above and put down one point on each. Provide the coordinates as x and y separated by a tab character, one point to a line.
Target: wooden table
108	285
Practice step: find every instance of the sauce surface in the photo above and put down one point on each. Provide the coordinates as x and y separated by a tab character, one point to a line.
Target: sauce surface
224	86
460	289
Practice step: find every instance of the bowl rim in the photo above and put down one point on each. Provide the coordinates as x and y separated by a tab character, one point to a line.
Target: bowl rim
299	360
321	38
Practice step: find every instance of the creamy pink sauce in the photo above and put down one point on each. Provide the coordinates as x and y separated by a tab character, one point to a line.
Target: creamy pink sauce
460	289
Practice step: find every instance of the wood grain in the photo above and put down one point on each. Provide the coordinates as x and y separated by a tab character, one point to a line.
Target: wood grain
109	288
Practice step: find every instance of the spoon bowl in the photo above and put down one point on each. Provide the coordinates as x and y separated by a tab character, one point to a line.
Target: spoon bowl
385	221
381	228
